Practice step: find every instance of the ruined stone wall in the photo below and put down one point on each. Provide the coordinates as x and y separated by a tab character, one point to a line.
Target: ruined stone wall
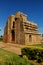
35	39
10	28
19	31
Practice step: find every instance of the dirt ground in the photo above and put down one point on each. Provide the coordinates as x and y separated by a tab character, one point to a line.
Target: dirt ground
15	48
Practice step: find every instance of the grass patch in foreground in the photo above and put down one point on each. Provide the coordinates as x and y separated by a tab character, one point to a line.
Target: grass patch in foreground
8	58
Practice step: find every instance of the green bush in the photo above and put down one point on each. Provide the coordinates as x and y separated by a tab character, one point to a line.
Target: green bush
33	53
1	39
25	57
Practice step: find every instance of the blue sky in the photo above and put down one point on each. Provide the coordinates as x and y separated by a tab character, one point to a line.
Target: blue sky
33	8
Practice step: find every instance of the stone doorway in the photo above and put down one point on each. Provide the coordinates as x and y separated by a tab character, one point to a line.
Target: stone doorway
13	35
30	38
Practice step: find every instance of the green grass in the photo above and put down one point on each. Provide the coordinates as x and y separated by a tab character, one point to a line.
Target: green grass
37	45
8	58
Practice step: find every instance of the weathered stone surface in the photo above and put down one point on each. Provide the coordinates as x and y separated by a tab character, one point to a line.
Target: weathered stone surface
21	31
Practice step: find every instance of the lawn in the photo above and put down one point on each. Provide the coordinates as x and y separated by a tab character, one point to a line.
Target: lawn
38	45
8	58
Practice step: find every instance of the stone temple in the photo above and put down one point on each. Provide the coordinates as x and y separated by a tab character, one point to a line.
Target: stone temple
21	31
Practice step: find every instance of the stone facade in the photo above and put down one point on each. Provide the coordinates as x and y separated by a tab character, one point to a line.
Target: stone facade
21	31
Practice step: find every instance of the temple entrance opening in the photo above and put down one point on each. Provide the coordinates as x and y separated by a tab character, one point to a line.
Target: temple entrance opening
13	35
